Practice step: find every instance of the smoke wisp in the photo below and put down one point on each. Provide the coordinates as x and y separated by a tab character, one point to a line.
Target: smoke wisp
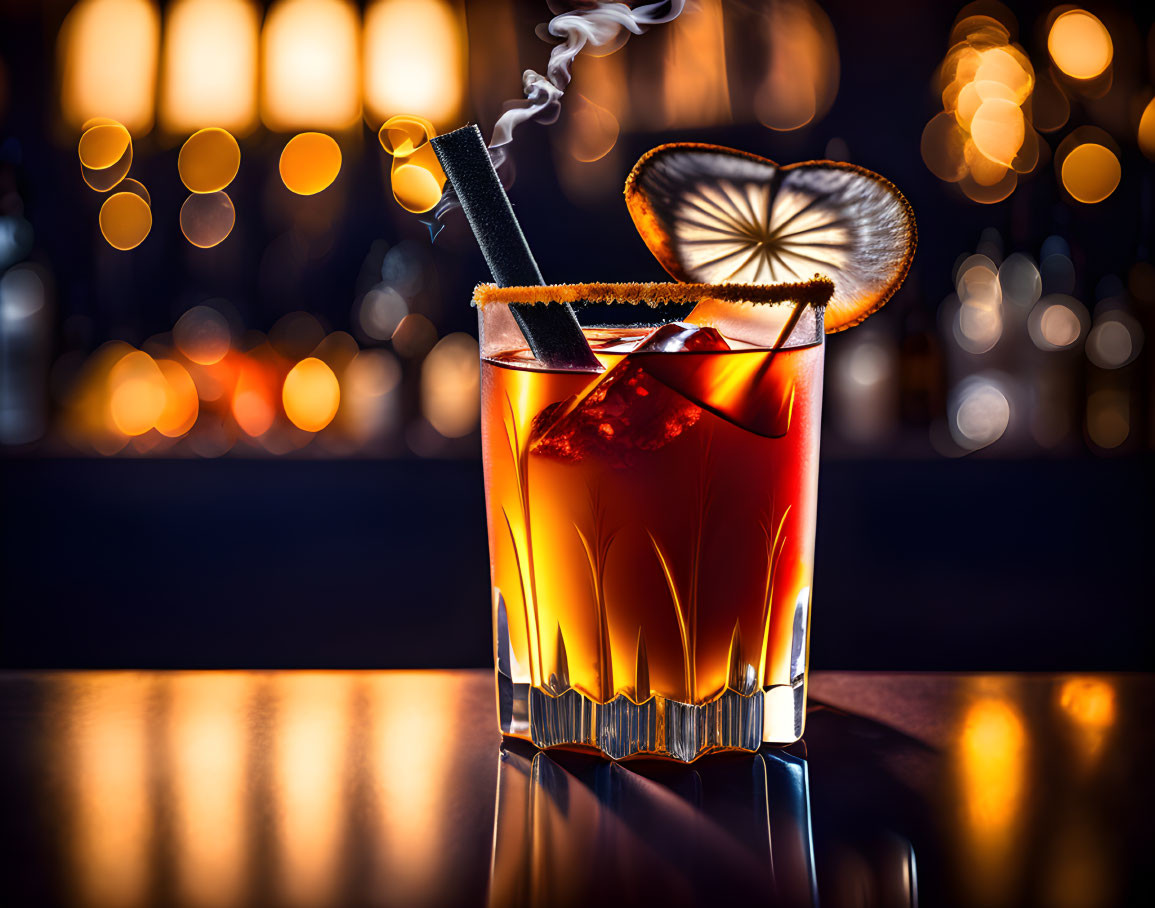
593	26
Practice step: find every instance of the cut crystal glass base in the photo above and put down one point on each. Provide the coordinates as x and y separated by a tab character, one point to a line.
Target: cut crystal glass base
659	727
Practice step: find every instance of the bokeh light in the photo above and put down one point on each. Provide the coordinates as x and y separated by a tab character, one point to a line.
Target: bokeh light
984	138
125	220
368	409
415	173
254	401
208	160
1114	341
998	129
1059	325
108	57
415	336
209	70
310	163
414	59
1057	322
1090	172
1021	283
695	88
1146	132
381	311
202	335
105	178
981	413
136	188
310	56
415	188
802	66
1080	45
206	220
451	385
979	323
138	395
593	130
181	403
1108	418
103	145
311	395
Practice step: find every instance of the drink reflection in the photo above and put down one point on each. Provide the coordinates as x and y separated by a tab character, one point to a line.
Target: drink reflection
571	830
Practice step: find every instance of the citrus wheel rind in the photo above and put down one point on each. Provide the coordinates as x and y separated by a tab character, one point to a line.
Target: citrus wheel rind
719	215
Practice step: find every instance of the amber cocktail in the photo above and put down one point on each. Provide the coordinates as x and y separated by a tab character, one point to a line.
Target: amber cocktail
651	526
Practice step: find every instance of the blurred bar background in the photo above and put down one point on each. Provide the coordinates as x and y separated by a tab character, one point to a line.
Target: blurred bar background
251	440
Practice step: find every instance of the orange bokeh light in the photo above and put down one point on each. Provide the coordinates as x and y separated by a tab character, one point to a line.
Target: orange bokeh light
1080	45
1090	172
311	395
137	393
181	404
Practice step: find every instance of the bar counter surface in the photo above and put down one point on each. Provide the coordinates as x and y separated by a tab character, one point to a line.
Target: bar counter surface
394	788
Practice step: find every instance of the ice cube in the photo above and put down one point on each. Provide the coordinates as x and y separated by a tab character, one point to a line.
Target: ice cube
747	388
628	411
678	336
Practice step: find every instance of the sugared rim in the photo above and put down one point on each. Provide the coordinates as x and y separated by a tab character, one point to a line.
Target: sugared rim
815	292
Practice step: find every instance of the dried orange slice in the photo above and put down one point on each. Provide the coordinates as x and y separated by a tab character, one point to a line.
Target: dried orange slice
716	215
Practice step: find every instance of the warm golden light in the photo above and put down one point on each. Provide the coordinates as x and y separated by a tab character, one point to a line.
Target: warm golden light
451	385
416	176
310	163
1090	172
125	220
414	188
103	145
181	404
104	743
254	406
992	754
311	395
108	53
984	137
209	73
414	60
802	78
694	85
593	130
106	178
412	783
1080	44
138	393
1146	133
998	129
1059	326
311	65
206	220
206	738
208	160
1089	702
1007	68
309	753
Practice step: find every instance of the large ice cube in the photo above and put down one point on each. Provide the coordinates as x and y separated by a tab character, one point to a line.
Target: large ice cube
628	411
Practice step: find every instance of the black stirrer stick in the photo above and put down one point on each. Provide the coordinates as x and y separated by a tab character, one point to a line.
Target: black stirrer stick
552	331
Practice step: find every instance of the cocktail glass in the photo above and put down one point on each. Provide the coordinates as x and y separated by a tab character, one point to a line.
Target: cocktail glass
651	526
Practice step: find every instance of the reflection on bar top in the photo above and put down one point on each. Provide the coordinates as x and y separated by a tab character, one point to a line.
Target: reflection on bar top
816	292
